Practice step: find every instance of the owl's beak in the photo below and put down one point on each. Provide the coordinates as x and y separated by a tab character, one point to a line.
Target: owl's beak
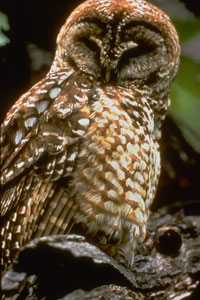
108	74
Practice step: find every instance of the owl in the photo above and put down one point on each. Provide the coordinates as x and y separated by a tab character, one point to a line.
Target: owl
79	150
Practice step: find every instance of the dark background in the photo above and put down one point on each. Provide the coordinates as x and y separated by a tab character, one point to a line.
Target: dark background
31	21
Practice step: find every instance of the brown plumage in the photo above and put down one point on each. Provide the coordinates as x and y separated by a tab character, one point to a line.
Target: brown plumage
81	146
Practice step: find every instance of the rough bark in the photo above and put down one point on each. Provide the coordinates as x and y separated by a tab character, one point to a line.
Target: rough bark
167	265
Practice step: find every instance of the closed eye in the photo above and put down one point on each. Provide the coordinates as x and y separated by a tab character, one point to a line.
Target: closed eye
132	58
140	50
91	45
88	54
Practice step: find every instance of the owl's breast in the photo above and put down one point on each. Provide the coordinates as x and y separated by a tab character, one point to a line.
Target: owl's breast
112	181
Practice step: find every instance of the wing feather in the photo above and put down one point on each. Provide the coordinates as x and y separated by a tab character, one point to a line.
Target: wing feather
41	138
24	119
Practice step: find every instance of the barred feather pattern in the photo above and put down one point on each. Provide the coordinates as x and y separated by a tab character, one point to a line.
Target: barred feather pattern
81	146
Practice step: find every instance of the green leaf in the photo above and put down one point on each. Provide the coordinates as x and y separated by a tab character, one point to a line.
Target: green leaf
187	28
4	25
185	98
185	92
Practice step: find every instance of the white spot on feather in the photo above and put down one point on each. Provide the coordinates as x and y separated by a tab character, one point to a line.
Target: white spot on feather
9	237
112	194
84	122
19	165
18	229
136	114
79	132
30	122
139	215
18	136
72	156
41	92
61	160
64	77
138	176
50	82
54	92
59	172
69	169
42	106
32	98
9	174
28	104
80	99
65	110
136	198
133	148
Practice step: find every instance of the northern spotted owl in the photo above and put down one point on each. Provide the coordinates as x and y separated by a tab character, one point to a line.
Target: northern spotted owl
80	148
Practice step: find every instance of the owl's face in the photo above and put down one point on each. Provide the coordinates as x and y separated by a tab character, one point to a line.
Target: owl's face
126	43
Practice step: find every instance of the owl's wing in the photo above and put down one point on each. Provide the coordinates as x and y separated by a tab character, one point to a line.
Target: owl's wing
41	135
23	120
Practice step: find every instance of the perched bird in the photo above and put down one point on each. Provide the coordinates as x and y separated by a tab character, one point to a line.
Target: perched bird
80	148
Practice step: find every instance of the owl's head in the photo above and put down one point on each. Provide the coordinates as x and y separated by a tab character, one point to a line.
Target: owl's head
123	42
